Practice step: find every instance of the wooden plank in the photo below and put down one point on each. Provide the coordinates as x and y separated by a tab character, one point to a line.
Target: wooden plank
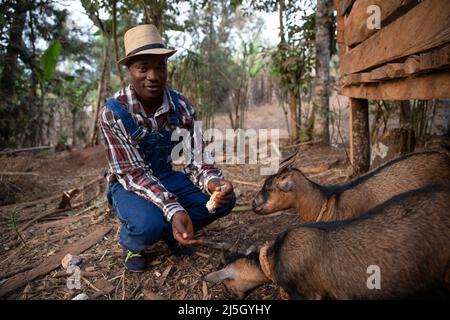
395	70
412	64
340	25
351	79
343	6
425	26
432	60
53	261
366	77
426	86
343	49
435	59
379	74
359	135
339	36
356	29
388	71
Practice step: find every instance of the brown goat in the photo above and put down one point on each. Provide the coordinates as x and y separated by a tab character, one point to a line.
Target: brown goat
407	238
290	188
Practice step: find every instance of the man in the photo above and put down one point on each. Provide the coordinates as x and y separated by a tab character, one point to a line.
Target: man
151	200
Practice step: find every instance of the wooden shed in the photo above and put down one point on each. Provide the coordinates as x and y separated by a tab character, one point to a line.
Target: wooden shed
406	56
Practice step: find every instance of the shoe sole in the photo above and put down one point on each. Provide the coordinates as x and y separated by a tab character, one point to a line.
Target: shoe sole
134	271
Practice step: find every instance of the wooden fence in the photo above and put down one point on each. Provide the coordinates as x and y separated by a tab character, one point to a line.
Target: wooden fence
406	57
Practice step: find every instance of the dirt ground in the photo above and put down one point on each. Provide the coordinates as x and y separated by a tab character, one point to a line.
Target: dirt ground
32	187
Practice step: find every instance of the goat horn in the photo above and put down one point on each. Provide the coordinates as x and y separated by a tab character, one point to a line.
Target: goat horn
288	160
235	246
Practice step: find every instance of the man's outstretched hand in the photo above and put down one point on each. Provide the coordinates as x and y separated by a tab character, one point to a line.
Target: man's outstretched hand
226	190
183	230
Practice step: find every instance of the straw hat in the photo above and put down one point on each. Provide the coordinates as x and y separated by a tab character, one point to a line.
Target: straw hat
144	39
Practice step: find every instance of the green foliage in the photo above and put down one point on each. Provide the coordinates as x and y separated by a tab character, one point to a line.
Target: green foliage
59	64
49	59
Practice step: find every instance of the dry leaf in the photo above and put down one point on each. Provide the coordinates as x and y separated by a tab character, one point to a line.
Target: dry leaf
164	275
104	286
204	255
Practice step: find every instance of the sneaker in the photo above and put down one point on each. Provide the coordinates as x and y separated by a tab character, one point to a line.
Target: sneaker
134	261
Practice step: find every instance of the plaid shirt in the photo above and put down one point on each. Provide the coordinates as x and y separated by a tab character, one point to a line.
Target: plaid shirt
126	164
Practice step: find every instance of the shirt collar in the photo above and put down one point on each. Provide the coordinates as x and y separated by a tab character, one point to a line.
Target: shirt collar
135	106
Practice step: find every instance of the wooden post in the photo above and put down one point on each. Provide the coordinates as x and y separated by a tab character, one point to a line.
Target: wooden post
359	135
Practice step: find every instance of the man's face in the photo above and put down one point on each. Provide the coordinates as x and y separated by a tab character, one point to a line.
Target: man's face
148	75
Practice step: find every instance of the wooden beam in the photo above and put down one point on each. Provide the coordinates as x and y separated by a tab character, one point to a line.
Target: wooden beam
388	71
435	85
340	25
435	59
31	149
432	60
379	74
425	26
412	64
53	261
356	29
359	135
343	6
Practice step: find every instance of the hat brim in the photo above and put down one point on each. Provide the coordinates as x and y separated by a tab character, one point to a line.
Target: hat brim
158	51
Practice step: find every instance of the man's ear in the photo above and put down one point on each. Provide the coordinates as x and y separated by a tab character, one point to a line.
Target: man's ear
286	186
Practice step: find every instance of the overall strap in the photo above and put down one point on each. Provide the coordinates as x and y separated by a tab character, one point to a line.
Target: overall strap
130	124
175	99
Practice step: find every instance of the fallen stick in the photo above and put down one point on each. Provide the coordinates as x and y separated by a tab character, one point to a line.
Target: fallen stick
302	144
50	212
40	148
61	222
51	198
12	173
241	208
29	203
54	261
45	176
246	183
19	270
135	291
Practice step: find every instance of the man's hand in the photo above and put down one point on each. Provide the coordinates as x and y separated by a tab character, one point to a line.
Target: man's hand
226	190
182	229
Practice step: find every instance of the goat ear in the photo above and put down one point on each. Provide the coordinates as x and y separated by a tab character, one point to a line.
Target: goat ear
286	186
220	276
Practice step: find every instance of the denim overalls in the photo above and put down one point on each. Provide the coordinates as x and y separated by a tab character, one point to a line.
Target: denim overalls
143	223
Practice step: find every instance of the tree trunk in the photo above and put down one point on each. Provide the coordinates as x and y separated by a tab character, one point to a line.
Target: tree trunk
15	43
116	47
237	104
101	93
359	135
157	10
293	116
321	90
281	5
33	134
146	15
230	115
74	127
406	121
